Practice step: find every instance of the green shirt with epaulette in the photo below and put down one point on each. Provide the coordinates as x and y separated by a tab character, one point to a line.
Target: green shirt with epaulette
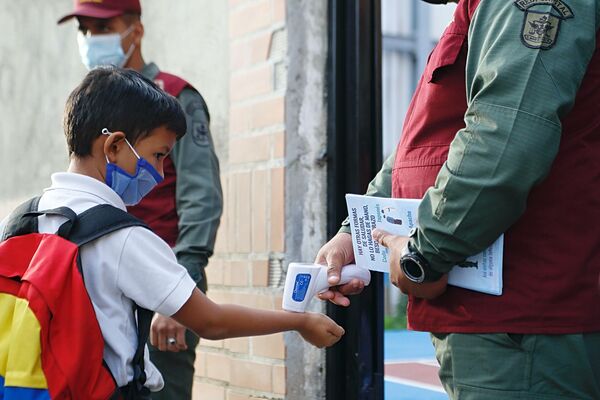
199	197
482	188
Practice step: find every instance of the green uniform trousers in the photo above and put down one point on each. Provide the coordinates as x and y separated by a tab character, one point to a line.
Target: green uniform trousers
519	367
177	369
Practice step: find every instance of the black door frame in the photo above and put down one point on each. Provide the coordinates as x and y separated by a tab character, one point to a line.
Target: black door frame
355	364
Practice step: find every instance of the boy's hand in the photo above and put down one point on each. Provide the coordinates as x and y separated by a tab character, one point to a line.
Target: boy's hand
320	330
335	254
164	330
395	244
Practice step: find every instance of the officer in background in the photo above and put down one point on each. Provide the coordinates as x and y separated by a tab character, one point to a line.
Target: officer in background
185	209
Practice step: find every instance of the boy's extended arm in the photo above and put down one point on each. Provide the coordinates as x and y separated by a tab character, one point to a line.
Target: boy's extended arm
219	321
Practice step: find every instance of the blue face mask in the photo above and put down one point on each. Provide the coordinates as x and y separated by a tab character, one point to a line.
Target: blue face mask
105	49
132	188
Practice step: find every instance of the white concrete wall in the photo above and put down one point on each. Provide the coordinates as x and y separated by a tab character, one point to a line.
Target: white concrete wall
190	38
39	66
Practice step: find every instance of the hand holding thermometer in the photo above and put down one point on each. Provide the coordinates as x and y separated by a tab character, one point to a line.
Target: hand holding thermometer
305	280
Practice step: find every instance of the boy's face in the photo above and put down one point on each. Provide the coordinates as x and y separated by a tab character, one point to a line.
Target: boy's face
153	148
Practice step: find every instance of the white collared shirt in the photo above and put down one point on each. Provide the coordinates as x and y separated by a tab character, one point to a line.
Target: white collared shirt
126	266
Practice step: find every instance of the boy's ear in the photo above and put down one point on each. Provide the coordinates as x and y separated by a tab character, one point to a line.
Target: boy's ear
113	144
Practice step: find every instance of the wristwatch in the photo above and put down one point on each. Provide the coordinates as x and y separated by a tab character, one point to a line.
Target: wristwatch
415	267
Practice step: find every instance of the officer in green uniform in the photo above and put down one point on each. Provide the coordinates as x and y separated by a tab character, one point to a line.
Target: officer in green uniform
185	209
502	136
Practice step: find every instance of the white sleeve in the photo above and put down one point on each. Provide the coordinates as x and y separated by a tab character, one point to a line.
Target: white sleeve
148	273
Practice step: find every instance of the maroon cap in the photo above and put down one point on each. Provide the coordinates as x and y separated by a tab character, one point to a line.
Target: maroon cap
102	9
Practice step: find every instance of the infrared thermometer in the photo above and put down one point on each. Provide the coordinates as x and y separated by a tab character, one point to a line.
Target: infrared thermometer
305	280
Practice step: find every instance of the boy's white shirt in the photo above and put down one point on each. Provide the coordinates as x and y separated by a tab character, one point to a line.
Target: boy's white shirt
126	266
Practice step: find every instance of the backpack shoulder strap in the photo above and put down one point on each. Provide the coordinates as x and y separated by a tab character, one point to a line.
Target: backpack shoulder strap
17	225
92	224
101	220
23	220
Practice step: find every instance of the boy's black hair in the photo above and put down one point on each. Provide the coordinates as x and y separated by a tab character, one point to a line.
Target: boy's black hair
119	100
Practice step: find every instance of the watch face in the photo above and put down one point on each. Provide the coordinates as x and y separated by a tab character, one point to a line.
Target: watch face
412	270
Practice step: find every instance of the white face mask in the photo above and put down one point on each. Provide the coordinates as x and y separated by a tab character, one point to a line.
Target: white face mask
97	50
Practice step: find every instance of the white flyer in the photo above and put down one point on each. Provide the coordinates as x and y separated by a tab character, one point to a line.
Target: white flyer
482	272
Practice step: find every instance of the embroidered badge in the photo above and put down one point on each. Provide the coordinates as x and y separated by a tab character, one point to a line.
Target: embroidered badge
540	28
199	129
200	133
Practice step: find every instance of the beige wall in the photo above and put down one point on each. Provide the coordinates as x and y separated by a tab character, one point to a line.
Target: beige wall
38	67
189	38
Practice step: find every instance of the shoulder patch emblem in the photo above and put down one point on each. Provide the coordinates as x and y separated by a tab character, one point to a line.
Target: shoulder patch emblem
199	133
541	27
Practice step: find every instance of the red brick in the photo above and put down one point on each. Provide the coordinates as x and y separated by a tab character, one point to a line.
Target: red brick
221	244
277	210
262	301
255	17
200	363
251	83
242	217
229	213
220	295
279	383
218	366
204	391
237	396
279	10
236	3
269	112
262	114
214	271
238	345
260	273
236	273
259	211
270	346
249	149
249	52
278	145
214	344
251	375
277	300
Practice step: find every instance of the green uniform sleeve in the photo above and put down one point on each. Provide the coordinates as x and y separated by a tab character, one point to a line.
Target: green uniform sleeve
516	95
198	195
380	186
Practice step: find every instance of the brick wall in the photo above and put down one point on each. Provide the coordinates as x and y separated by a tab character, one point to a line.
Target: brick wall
252	228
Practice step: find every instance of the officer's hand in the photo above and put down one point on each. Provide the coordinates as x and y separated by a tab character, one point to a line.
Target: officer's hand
395	244
335	254
167	334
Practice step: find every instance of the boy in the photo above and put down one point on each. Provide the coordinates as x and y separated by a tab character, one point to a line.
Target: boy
185	209
119	128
